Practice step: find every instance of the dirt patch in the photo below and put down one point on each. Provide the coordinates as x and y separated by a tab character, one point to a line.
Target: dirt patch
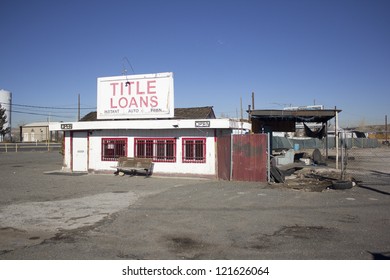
349	219
13	238
64	214
305	232
286	234
310	179
184	243
186	247
31	223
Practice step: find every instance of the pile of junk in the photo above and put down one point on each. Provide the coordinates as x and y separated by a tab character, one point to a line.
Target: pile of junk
307	170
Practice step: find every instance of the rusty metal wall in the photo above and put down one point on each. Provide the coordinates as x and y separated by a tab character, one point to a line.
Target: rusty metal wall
247	157
224	157
250	157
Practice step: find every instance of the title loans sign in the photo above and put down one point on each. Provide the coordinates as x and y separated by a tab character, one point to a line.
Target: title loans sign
135	96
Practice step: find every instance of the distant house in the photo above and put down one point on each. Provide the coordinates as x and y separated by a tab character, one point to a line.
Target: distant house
38	132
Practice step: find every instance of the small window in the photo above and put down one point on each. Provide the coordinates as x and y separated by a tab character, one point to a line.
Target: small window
194	150
113	148
159	149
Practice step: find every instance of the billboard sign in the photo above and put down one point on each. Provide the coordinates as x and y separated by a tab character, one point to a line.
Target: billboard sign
135	96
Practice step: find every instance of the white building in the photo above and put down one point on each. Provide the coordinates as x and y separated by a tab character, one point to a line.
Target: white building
38	132
136	118
177	146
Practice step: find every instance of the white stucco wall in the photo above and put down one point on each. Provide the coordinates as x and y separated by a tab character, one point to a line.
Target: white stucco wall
95	162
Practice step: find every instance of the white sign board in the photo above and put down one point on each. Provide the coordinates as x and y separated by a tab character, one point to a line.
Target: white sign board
135	96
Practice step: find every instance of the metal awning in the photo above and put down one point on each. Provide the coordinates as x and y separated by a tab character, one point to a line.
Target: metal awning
285	120
317	116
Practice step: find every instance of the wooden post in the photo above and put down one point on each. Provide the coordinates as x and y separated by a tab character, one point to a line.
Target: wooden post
326	141
241	111
78	111
253	100
336	137
386	129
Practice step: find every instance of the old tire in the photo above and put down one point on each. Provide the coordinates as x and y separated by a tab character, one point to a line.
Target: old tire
277	174
341	185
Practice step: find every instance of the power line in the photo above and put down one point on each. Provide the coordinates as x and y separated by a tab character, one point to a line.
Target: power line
47	107
38	114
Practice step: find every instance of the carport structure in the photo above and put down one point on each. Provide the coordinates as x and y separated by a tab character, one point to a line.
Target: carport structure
268	121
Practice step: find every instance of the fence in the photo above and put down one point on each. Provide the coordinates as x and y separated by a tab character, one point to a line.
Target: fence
24	147
364	154
313	143
352	155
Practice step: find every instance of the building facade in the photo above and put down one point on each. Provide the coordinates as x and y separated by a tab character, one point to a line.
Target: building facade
39	132
176	146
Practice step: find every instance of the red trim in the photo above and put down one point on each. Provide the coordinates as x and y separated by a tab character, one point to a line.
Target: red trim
192	155
114	156
71	149
153	151
88	150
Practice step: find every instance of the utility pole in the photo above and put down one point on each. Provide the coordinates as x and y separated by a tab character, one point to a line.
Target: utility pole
241	110
386	130
336	137
253	100
78	108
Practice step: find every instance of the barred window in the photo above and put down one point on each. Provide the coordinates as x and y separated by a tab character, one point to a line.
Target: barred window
113	148
194	150
158	149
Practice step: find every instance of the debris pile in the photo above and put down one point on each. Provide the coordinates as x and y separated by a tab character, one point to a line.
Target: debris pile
304	172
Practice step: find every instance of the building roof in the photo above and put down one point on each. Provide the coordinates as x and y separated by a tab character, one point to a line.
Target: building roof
195	113
296	115
38	124
180	113
285	120
151	124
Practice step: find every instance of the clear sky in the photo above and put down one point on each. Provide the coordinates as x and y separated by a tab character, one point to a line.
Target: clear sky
329	52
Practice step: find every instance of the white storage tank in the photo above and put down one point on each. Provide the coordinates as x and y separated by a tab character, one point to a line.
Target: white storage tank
6	101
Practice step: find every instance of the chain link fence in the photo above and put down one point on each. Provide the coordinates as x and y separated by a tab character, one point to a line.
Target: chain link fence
352	153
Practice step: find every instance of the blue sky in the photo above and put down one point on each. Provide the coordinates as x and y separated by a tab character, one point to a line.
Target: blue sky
333	53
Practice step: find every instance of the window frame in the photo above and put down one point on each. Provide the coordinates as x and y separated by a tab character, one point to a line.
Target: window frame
159	149
192	155
116	141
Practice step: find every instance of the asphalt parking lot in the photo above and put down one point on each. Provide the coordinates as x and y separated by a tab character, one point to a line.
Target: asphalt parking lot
50	215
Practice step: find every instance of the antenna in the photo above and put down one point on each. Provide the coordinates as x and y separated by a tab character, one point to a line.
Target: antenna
124	70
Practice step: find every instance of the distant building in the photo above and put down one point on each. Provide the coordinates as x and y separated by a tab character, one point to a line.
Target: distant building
38	132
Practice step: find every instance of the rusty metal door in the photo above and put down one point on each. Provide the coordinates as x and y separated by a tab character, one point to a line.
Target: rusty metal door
250	157
245	159
224	157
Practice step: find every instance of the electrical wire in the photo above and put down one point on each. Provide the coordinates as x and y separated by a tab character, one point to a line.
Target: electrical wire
49	107
38	114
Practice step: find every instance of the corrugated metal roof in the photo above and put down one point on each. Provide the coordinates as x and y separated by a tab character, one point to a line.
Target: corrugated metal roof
36	124
295	115
39	124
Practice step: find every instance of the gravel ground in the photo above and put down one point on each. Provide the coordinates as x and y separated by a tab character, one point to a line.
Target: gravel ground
50	215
